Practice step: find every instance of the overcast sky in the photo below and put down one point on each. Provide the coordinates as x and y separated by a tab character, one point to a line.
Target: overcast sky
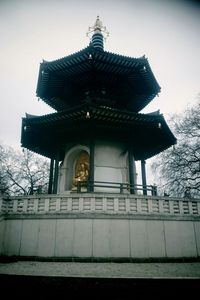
166	32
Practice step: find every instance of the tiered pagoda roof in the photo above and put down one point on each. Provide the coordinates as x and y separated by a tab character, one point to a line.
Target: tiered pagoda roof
148	133
108	78
97	94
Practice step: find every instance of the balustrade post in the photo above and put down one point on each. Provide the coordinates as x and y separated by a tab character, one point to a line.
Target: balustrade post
154	190
46	205
160	204
150	205
92	204
104	204
198	208
181	207
58	204
127	205
81	204
1	204
15	204
190	207
25	205
69	204
171	206
139	205
116	205
35	205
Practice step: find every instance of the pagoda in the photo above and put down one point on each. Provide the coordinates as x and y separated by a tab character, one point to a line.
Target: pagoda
95	210
97	132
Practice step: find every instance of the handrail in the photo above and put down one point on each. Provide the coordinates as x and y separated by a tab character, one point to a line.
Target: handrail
89	186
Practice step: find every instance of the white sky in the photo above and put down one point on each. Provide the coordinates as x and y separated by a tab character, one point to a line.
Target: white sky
167	32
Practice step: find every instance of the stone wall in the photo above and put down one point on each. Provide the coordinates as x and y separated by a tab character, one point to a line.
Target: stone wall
99	234
100	238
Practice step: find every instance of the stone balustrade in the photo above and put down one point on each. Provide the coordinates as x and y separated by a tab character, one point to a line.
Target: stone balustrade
100	226
98	204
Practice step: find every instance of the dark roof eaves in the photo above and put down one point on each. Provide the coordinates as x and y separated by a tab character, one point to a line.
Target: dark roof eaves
60	61
122	59
53	116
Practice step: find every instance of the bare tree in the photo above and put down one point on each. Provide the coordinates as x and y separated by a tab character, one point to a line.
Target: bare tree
178	168
22	172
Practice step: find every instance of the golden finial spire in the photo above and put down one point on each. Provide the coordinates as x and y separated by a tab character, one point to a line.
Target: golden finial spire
98	28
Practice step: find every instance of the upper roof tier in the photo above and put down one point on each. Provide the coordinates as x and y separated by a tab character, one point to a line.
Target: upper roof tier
97	76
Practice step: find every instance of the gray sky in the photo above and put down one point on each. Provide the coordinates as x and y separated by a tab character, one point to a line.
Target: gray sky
167	32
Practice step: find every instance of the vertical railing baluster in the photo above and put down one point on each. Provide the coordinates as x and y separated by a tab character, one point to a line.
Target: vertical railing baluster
139	205
93	204
190	207
1	205
25	205
198	208
116	206
160	205
81	204
15	204
69	204
35	205
127	205
58	200
46	205
171	207
104	204
181	207
150	205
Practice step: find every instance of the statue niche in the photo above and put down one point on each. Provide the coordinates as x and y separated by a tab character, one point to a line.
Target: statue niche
81	171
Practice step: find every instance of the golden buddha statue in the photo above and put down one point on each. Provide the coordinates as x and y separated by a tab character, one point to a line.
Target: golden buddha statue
81	171
81	176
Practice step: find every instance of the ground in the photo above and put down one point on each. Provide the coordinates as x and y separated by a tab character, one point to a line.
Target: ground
70	280
110	270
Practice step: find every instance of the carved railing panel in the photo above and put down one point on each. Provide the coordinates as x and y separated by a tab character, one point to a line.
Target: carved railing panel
110	204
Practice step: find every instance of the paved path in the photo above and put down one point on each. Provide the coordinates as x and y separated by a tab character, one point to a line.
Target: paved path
102	270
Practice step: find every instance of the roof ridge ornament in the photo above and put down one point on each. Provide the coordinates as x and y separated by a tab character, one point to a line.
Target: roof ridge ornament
98	32
98	27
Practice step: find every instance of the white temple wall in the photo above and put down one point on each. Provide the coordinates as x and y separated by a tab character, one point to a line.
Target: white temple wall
110	164
100	238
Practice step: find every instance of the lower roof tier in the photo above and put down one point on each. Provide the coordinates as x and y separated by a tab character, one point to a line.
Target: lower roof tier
147	134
